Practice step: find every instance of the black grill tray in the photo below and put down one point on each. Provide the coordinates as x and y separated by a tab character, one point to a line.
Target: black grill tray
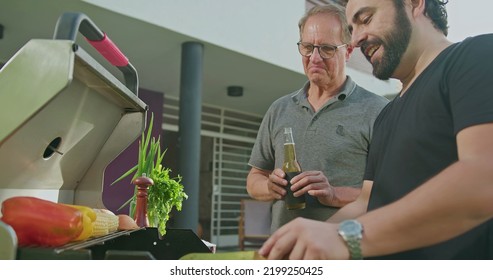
124	245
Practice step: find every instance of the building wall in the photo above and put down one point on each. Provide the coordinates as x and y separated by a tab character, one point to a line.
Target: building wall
264	30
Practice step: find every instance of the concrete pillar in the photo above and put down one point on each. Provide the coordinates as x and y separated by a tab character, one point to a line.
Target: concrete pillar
189	132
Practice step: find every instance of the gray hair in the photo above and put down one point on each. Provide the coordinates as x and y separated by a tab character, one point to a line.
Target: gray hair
332	8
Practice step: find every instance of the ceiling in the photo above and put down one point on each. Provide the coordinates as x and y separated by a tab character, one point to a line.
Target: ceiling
156	54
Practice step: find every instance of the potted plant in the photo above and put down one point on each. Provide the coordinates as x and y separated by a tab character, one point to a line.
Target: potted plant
166	193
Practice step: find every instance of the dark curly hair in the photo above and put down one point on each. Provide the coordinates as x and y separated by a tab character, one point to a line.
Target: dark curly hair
434	10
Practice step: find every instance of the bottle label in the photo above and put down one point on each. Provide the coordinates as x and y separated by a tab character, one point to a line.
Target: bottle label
291	201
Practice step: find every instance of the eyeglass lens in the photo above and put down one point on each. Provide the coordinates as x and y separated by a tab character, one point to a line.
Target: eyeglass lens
325	51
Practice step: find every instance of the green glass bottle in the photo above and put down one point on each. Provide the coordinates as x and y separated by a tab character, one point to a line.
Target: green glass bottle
292	168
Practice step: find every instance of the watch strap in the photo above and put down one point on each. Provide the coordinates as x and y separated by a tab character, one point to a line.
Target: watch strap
351	232
354	249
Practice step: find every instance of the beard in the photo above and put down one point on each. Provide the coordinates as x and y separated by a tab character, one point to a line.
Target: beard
395	43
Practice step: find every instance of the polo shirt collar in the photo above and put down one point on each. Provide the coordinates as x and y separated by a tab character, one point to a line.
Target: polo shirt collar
300	96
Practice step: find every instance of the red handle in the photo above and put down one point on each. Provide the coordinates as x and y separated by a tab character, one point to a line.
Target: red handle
110	51
69	24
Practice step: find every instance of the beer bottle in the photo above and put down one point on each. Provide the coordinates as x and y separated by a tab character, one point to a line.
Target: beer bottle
292	168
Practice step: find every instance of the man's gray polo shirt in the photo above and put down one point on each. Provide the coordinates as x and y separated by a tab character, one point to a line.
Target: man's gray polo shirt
334	140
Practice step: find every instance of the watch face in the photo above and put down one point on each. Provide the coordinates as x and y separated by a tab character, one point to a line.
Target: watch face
350	228
352	232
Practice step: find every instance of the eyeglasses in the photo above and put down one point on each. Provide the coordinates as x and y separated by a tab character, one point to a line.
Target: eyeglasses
325	51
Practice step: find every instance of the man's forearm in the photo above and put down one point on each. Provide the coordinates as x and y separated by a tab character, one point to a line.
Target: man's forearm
341	196
423	217
356	208
257	187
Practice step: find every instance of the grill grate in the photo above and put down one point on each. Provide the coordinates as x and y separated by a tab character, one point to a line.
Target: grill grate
93	241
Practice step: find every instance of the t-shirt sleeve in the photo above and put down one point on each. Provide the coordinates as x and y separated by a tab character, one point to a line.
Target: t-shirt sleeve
470	82
262	155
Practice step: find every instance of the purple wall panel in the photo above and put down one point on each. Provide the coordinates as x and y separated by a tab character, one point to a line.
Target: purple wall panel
116	195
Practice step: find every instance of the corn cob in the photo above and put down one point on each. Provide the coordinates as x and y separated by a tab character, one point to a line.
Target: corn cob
106	222
88	218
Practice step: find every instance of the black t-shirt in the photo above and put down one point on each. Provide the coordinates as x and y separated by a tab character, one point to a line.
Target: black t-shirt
415	137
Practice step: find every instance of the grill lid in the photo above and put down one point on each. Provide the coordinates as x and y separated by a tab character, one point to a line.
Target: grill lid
64	117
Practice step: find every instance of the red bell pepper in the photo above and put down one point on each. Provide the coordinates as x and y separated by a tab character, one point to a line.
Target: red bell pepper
41	222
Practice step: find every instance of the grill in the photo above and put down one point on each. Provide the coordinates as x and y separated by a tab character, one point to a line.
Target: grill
65	117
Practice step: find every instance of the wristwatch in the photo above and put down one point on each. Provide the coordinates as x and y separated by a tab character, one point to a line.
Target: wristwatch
352	232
